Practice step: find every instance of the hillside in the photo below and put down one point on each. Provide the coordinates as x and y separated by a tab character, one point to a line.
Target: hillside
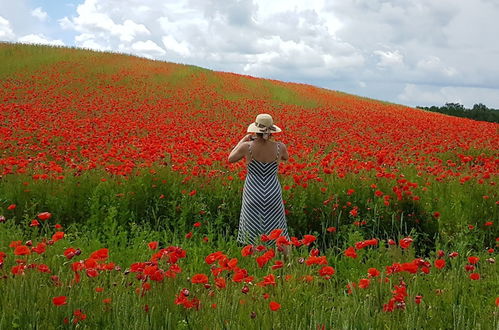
118	111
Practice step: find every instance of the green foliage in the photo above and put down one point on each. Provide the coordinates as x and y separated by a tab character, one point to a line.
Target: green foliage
478	112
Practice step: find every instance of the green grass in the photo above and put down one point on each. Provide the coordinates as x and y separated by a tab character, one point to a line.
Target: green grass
446	299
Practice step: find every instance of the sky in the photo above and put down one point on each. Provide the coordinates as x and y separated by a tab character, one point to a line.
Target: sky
417	53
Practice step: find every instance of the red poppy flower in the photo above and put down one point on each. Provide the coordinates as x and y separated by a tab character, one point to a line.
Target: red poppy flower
364	283
247	250
11	207
350	252
475	276
220	282
34	223
473	260
405	242
199	278
59	301
197	224
274	306
373	272
101	254
440	263
308	239
22	250
58	236
44	216
277	264
326	271
153	245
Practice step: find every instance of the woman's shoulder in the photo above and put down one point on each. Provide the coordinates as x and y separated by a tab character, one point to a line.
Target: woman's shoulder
280	144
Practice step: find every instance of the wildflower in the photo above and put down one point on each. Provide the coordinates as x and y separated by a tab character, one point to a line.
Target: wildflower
59	301
274	306
44	216
373	272
326	272
364	283
475	276
247	250
22	250
199	278
473	260
350	252
406	242
440	263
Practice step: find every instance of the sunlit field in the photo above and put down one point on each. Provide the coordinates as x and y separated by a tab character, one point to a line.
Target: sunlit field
119	209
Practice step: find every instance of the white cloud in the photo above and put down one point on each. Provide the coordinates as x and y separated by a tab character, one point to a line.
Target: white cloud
434	64
6	32
389	59
39	39
147	48
181	48
39	13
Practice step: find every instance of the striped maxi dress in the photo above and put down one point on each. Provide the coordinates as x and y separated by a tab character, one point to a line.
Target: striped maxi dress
262	207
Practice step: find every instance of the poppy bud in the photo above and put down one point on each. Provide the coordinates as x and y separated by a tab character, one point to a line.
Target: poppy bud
126	272
1	265
253	315
185	292
207	285
245	289
117	268
440	253
50	242
2	219
301	260
29	243
77	252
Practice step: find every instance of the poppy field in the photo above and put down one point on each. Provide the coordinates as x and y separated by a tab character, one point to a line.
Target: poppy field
118	207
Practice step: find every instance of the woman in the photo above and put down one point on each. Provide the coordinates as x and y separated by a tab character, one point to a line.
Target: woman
262	209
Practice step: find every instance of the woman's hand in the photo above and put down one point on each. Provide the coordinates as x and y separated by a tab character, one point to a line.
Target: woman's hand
239	150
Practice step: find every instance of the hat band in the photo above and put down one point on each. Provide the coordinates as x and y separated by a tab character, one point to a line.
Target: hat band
272	128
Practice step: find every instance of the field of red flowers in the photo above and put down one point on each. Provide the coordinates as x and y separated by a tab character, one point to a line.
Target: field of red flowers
393	210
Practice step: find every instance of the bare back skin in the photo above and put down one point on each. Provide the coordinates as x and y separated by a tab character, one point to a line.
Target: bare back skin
262	150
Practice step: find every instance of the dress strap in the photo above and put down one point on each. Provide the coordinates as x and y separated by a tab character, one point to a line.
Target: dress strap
277	157
249	149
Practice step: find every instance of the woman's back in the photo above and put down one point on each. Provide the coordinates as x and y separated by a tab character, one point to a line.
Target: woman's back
264	152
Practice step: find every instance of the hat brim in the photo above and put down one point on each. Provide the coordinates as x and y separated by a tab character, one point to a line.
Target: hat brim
252	128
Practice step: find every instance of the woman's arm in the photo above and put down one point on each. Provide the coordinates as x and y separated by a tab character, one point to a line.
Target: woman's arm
240	149
284	151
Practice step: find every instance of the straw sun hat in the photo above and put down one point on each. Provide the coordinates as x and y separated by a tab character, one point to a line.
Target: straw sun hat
263	124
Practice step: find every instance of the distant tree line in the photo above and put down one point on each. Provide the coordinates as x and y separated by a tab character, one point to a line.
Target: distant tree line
478	112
